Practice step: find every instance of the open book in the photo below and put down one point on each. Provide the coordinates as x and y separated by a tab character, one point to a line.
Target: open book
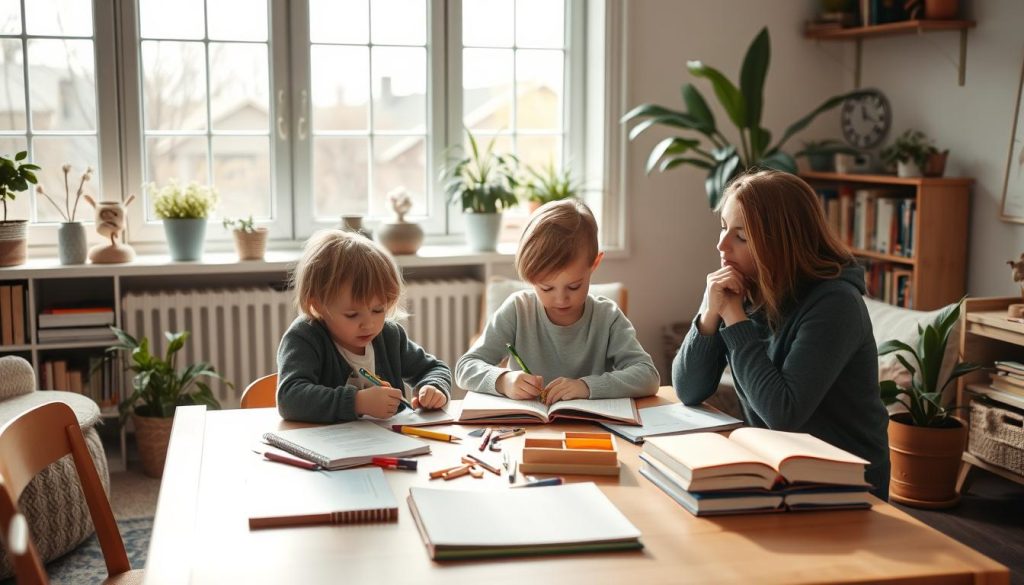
280	495
481	408
346	444
560	519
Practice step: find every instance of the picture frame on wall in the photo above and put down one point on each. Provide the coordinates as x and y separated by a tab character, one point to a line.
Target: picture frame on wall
1013	183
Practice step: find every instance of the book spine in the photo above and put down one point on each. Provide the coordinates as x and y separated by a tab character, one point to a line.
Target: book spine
296	449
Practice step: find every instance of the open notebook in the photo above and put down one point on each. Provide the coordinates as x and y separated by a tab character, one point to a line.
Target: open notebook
346	444
481	408
674	419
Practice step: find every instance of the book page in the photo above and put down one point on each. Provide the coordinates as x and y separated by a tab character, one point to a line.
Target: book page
617	408
778	446
480	405
674	418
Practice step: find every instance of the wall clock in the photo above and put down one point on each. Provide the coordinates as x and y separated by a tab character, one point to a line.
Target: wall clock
865	120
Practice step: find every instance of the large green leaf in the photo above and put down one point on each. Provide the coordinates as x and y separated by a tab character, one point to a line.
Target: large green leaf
889	391
824	107
780	161
675	161
892	345
718	178
752	76
683	121
644	110
672	146
730	97
698	109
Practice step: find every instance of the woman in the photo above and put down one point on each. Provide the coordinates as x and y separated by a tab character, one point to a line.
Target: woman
785	311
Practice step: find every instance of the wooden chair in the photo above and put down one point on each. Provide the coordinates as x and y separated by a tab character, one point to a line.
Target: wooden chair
30	443
261	393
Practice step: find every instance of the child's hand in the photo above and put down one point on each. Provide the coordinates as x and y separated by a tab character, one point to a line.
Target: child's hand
378	401
566	389
519	385
429	398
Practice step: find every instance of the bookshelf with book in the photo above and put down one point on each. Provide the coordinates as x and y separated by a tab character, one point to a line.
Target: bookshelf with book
909	233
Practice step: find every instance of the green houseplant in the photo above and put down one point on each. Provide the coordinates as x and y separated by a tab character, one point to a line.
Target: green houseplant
926	442
548	184
483	183
704	145
909	153
158	388
250	239
15	176
184	213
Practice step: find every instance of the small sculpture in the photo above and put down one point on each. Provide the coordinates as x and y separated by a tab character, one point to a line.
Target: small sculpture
110	223
400	236
1017	310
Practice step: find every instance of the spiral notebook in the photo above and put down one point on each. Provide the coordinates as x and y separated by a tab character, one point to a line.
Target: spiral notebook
346	444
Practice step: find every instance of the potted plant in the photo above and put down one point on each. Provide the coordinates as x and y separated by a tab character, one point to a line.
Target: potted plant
158	387
250	239
926	443
71	241
184	213
706	147
820	154
15	176
483	183
548	184
909	153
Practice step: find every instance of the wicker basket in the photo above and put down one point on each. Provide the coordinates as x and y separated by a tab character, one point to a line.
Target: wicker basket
251	245
997	435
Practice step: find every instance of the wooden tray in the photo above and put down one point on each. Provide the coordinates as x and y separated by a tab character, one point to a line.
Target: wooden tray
571	453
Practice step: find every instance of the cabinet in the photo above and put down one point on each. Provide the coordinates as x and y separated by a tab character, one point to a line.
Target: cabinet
986	335
934	232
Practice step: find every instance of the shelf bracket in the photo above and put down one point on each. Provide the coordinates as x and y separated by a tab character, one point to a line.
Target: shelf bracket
857	50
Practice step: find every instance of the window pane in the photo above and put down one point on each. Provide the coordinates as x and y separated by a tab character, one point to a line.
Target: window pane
241	173
399	22
62	83
539	90
11	145
174	85
182	158
339	21
341	87
539	151
487	23
52	153
399	161
540	23
182	19
340	184
10	17
63	18
239	87
400	89
237	20
487	88
12	78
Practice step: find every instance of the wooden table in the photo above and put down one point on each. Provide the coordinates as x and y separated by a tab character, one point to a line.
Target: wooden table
201	535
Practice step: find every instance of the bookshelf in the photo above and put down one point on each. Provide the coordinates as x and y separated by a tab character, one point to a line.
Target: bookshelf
936	268
986	336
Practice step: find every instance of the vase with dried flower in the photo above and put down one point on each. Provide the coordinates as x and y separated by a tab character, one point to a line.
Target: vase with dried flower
71	242
398	235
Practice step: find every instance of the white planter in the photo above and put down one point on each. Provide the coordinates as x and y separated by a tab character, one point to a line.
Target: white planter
482	231
907	169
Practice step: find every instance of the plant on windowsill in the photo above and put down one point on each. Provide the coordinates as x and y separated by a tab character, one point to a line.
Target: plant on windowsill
722	159
15	176
184	213
926	442
548	184
914	155
72	247
158	388
484	183
250	239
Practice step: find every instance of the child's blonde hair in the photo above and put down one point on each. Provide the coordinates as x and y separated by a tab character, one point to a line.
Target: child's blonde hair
334	259
558	234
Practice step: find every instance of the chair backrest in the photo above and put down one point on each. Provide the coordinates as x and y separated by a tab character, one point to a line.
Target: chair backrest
261	393
28	444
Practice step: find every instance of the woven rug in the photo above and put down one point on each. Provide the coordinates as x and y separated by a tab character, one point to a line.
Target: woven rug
84	565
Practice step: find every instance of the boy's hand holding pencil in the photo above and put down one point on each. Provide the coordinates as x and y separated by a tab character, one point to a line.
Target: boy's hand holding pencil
523	384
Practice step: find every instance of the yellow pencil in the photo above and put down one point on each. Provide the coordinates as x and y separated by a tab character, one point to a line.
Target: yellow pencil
407	430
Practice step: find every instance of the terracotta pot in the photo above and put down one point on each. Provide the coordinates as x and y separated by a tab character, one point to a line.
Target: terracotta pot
251	245
152	435
13	242
941	9
924	462
935	166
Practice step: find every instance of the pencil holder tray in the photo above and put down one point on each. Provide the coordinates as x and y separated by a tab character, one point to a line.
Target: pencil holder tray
571	453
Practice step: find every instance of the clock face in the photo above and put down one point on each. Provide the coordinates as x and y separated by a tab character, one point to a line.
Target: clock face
865	120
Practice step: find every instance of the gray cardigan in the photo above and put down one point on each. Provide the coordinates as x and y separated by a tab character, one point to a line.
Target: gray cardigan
816	374
312	376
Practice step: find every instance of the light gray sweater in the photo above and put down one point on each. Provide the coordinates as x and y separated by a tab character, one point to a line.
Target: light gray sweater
601	349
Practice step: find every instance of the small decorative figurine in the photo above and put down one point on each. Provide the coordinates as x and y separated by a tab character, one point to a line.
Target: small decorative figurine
398	235
1017	309
110	220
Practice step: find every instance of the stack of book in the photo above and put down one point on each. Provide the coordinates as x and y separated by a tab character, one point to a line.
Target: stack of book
1009	377
754	470
67	324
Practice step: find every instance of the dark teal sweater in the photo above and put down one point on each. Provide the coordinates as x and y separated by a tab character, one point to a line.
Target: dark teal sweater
817	374
313	377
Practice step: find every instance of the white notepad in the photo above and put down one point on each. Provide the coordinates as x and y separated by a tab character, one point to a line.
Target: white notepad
346	444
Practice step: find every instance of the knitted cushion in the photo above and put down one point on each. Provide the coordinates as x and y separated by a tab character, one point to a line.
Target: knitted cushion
16	377
53	503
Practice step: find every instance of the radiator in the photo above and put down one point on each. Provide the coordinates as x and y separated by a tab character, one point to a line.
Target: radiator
444	315
237	330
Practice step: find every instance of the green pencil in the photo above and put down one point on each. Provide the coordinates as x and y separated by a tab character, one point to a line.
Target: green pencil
512	351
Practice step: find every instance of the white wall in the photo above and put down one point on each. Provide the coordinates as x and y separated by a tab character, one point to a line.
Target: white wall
672	233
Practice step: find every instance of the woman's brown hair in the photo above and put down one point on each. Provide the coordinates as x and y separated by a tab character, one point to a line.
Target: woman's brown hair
790	241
